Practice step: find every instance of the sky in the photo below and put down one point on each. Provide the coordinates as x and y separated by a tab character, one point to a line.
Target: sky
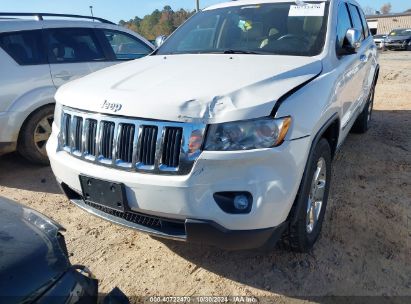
115	10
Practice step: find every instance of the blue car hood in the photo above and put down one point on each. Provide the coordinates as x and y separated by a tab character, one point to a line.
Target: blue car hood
32	252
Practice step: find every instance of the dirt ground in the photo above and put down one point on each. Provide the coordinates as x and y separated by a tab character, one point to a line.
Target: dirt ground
364	249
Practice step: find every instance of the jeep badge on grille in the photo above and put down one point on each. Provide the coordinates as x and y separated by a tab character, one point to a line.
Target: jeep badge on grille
115	107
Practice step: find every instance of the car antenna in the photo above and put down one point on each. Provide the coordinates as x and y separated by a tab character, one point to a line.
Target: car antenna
91	11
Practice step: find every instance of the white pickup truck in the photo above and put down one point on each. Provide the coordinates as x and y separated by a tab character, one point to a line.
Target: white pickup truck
224	135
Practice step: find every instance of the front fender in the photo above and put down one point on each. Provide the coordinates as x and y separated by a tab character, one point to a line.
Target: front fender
311	106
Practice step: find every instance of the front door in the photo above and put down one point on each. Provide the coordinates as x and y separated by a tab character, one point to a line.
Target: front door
73	53
352	70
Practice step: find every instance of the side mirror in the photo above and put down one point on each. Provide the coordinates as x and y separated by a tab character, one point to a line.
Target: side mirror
352	42
160	40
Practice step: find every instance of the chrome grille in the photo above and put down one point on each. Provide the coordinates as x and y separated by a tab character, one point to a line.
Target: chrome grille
78	133
130	144
106	140
148	145
91	133
67	128
125	143
172	143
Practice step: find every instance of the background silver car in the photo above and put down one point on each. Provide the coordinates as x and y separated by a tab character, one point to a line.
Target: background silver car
37	57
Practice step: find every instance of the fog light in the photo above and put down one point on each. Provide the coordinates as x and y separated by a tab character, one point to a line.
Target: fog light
241	202
234	202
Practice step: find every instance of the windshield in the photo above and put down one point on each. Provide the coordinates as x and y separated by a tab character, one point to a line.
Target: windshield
274	28
403	32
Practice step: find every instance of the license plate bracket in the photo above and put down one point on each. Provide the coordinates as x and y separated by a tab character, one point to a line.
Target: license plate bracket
105	193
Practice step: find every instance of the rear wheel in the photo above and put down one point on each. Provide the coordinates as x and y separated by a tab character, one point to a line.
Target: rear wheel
362	124
306	221
34	135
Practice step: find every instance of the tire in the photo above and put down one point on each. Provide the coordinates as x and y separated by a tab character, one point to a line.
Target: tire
306	221
34	135
362	124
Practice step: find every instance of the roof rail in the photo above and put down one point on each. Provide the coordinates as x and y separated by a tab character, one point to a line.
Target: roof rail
39	16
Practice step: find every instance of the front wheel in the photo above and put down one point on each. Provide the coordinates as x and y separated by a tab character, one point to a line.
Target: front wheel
306	220
34	135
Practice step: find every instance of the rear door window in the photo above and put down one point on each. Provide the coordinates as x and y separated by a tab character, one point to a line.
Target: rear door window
25	47
125	46
70	45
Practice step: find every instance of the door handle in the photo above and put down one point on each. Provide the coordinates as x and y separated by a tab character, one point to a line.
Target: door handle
363	58
63	75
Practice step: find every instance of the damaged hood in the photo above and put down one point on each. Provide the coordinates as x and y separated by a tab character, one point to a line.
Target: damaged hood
206	88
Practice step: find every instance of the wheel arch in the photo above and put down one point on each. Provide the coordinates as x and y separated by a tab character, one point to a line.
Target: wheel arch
376	75
29	103
331	132
28	117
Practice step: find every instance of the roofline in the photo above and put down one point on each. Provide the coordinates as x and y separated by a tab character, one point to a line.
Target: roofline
388	15
39	16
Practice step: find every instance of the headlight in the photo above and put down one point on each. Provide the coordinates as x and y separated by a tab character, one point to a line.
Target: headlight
57	114
247	135
41	221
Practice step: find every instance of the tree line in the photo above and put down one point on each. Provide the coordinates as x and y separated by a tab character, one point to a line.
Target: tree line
386	8
165	22
158	23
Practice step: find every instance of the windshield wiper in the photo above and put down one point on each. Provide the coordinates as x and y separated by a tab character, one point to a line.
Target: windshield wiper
242	52
229	51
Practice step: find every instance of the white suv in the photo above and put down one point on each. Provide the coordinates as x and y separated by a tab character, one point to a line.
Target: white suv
225	135
37	57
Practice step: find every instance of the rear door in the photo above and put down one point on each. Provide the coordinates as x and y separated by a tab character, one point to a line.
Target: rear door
23	70
73	53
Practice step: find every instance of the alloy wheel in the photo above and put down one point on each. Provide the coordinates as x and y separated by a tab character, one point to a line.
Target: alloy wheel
370	106
316	196
42	133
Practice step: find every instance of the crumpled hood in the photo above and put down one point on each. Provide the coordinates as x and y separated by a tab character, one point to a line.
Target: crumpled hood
31	255
191	88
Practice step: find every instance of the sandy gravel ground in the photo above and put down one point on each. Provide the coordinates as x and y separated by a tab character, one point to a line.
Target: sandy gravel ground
365	247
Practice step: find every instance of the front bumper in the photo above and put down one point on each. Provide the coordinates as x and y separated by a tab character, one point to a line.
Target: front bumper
272	176
396	46
190	230
380	45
